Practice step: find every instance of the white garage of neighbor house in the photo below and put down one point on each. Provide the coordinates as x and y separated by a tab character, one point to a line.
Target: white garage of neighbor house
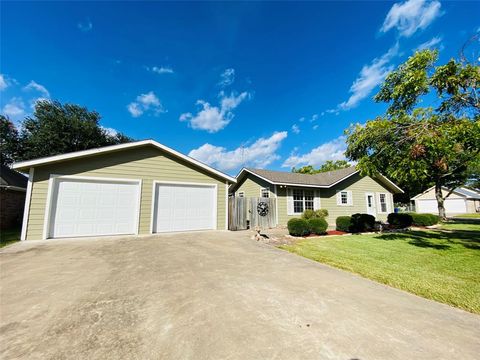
141	187
461	201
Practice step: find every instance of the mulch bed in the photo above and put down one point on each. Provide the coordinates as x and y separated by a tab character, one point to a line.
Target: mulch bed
336	232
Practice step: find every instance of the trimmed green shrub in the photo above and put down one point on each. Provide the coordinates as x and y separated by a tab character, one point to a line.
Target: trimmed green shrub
312	214
323	213
298	227
424	219
309	214
362	222
400	220
318	226
343	223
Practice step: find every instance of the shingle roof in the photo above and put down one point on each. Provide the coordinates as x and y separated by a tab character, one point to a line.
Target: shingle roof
322	179
9	177
470	194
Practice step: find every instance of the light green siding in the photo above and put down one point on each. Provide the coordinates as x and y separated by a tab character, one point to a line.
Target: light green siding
357	184
251	186
144	163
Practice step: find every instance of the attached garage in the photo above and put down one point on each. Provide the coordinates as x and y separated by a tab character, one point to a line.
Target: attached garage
129	189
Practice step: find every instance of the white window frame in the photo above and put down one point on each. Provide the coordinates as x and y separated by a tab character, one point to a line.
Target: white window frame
241	194
267	189
349	198
387	205
303	200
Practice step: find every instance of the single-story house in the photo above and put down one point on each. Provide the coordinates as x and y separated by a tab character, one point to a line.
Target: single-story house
141	187
341	192
461	201
13	187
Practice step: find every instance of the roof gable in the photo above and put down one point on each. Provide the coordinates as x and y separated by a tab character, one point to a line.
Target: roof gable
24	165
9	177
320	180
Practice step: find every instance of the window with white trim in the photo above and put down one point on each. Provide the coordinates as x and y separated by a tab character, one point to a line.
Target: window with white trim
241	194
382	199
344	198
303	200
265	192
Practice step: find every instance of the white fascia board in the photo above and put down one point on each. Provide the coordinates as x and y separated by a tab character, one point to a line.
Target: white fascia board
23	165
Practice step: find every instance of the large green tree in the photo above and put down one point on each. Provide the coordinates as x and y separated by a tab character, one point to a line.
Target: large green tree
9	141
329	165
423	146
56	128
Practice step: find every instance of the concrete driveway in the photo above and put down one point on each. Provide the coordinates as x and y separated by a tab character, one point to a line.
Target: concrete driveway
212	295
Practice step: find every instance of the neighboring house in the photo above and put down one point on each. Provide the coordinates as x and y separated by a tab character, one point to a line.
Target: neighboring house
461	201
142	187
13	186
341	192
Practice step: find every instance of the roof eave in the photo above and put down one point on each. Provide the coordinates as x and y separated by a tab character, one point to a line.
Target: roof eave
25	165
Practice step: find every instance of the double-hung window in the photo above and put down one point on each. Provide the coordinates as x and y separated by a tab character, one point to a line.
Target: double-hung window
382	199
344	198
265	192
303	200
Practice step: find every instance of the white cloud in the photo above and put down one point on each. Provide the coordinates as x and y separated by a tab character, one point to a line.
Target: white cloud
432	43
85	26
411	15
161	70
14	109
370	77
314	118
315	127
148	102
332	150
227	77
34	86
3	82
259	154
109	131
295	129
214	118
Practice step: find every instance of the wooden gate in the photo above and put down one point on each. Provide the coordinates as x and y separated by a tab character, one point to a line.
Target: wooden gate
244	213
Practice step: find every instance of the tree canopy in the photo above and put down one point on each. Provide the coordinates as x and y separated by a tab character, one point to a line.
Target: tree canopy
53	129
329	165
423	146
9	141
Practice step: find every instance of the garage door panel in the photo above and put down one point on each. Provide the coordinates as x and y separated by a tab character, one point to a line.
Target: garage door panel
184	207
452	206
90	208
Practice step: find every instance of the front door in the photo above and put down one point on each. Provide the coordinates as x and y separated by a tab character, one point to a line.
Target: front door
371	208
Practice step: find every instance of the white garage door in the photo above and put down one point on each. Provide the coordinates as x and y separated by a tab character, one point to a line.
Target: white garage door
452	206
92	208
183	207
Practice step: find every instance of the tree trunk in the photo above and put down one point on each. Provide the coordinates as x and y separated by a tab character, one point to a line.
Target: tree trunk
440	200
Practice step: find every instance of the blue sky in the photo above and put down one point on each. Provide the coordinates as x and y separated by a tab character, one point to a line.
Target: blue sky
258	84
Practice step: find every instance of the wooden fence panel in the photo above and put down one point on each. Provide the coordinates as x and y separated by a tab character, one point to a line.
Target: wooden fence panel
262	213
259	212
237	213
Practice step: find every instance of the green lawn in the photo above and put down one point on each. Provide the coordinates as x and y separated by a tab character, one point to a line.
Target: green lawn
441	264
468	216
9	236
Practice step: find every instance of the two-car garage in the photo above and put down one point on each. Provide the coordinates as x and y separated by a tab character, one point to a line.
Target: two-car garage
135	188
